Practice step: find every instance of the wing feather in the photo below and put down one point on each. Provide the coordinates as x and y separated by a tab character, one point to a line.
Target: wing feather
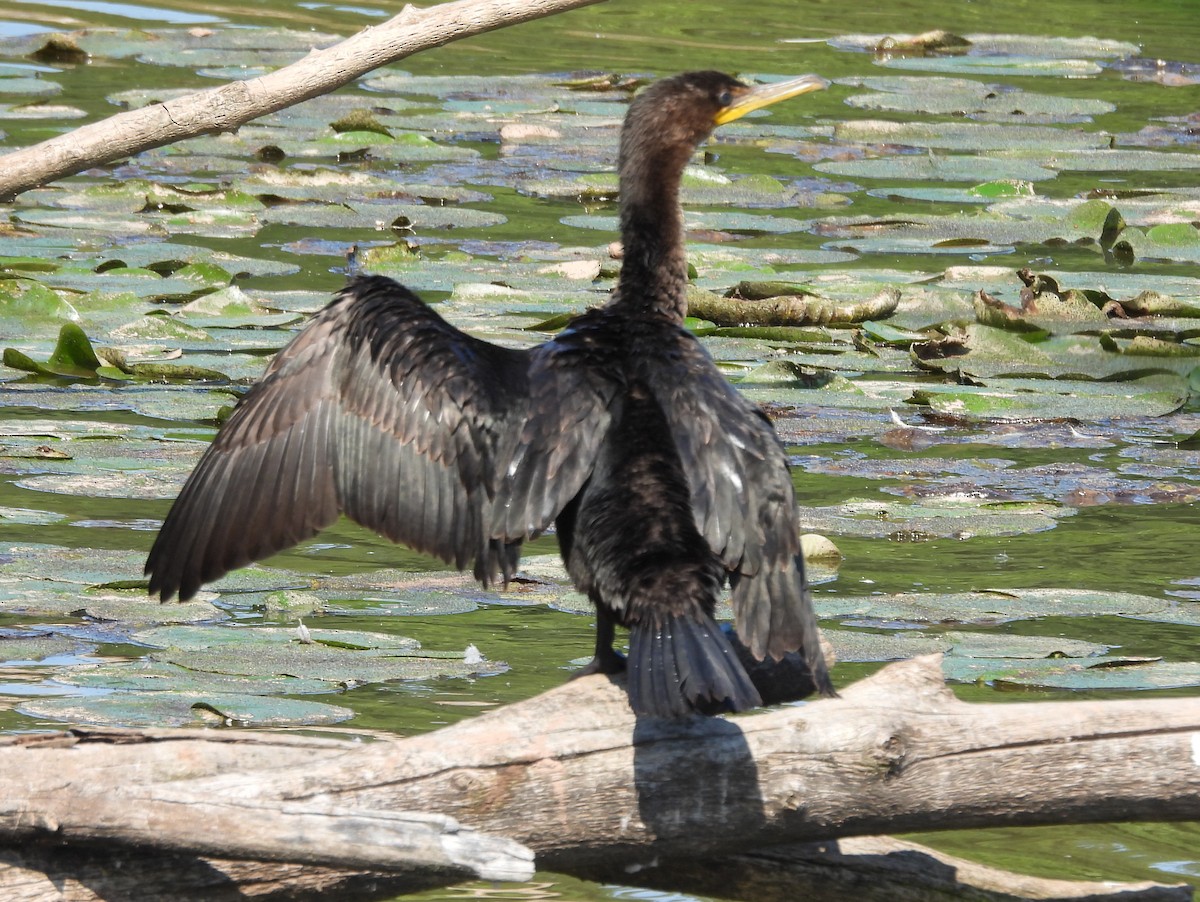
574	382
743	501
378	408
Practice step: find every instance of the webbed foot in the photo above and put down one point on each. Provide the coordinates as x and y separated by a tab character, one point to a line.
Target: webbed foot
608	663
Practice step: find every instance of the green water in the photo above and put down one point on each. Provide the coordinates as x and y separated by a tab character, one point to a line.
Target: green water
1139	548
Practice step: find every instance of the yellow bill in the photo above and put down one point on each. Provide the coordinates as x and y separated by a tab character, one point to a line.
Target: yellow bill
760	96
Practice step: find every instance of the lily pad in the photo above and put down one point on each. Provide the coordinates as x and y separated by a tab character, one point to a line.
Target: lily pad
729	222
1001	45
1032	399
55	599
984	606
976	233
439	592
138	282
973	99
986	193
860	645
1166	241
26	516
1147	208
1002	281
153	676
254	657
29	86
987	352
967	136
197	637
73	356
33	648
1011	645
1020	66
104	485
381	217
178	709
856	646
1107	160
82	566
230	308
940	168
80	575
27	303
198	404
1088	674
947	517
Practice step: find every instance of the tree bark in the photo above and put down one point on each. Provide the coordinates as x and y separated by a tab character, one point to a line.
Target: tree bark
576	777
226	107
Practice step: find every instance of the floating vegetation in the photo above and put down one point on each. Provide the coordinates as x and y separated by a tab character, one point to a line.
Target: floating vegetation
964	296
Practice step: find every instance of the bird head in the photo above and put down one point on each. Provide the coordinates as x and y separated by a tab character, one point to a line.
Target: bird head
678	113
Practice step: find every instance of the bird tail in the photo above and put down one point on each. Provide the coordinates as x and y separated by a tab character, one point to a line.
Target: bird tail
683	663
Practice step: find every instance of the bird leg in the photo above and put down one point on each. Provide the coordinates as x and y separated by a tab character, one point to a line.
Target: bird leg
607	659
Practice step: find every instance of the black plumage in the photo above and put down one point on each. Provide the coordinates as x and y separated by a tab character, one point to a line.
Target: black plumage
661	479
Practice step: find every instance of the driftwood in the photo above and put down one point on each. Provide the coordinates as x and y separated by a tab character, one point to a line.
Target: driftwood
226	107
575	777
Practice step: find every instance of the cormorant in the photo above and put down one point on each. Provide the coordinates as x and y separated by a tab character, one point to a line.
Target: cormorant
662	480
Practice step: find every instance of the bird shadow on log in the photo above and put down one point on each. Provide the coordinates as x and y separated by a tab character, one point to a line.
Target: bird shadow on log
677	787
681	791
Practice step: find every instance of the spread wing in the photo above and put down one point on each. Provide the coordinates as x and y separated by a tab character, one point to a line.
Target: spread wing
382	410
574	382
743	501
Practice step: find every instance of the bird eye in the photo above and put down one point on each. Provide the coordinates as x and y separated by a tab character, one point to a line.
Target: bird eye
725	98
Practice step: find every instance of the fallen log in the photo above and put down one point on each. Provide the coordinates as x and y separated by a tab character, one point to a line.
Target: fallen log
573	775
97	800
226	107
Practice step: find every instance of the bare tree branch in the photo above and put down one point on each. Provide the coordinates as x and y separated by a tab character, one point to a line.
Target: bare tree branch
230	105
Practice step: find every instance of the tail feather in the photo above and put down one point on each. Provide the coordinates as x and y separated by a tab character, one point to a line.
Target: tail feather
685	665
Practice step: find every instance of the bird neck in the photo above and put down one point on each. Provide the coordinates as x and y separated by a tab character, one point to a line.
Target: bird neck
654	265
